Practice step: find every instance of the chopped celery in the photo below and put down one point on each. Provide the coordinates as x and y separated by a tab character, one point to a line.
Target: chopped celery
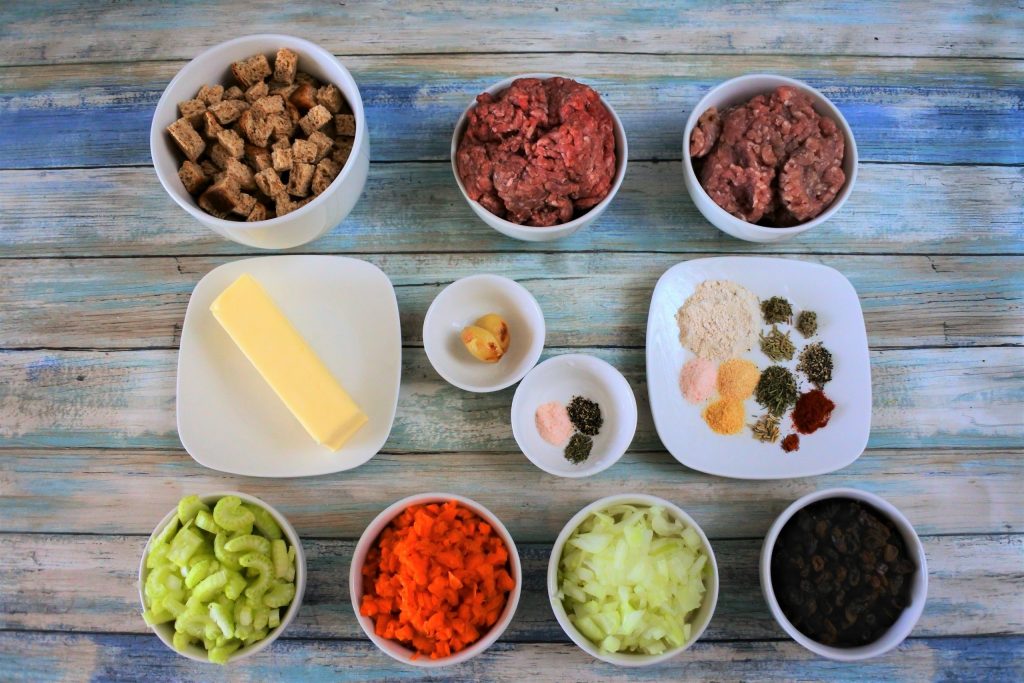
209	587
168	532
204	520
262	564
274	619
229	514
264	522
221	653
181	641
236	584
223	618
229	560
189	507
248	544
185	544
279	555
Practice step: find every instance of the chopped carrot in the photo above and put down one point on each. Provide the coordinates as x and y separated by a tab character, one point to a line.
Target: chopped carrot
436	579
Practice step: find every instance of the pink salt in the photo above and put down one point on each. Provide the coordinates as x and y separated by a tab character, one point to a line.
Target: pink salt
697	380
553	423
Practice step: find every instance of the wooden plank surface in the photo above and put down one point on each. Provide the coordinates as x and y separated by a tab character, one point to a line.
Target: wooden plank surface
92	491
98	575
597	299
73	657
901	110
923	398
49	32
895	208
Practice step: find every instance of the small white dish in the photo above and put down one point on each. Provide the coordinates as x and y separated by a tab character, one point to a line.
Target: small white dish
460	304
559	379
212	67
529	233
808	286
700	620
398	651
165	631
737	91
229	418
898	632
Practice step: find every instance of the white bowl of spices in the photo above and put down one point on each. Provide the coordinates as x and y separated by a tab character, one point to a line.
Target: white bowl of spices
574	415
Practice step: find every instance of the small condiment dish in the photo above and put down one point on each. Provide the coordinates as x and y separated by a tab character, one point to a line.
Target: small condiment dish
918	590
529	233
165	631
700	620
398	651
460	304
737	91
559	379
302	225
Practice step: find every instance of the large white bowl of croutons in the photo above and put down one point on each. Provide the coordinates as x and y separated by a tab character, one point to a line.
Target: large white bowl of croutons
263	139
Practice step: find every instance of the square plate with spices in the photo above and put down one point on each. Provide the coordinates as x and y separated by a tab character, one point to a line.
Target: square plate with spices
231	419
717	325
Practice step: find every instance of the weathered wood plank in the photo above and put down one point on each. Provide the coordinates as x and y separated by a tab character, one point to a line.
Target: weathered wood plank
588	299
923	398
91	585
901	110
48	33
90	657
47	491
417	208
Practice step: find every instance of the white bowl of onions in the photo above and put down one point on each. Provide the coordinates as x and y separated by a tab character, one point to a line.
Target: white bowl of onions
633	580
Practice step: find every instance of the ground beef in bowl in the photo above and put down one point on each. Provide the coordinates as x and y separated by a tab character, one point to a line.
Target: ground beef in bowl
540	153
772	160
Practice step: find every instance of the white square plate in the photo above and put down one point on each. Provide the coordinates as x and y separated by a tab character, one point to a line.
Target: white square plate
808	286
229	418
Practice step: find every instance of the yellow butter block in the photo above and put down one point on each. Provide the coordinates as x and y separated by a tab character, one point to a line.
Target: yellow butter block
287	363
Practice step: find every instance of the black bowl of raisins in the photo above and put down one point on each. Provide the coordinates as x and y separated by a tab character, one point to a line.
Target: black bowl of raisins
844	574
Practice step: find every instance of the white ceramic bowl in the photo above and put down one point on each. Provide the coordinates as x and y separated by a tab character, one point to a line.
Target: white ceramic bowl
369	538
541	234
460	304
212	67
700	620
166	631
737	91
918	589
559	379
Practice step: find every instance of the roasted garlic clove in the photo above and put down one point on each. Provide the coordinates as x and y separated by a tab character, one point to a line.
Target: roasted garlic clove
496	325
482	344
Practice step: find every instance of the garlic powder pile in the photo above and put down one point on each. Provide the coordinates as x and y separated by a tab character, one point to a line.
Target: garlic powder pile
720	320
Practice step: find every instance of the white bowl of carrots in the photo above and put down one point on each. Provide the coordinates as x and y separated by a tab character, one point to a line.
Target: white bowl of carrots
467	564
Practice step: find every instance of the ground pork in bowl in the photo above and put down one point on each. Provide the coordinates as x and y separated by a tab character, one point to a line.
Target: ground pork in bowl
767	157
539	156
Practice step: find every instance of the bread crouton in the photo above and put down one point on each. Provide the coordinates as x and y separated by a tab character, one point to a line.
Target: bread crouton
220	198
303	77
241	174
193	111
304	97
326	171
284	90
246	203
210	125
330	97
345	124
303	151
281	156
286	65
299	179
188	140
258	213
229	111
314	119
209	168
256	128
232	142
269	182
249	72
210	94
192	177
323	144
271	104
233	93
342	149
283	204
256	92
258	157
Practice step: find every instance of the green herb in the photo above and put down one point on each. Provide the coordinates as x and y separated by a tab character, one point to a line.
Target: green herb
579	448
766	428
777	345
777	310
807	323
585	415
776	390
816	363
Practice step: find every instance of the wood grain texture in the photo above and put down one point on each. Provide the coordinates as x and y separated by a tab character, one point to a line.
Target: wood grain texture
129	491
894	208
901	110
91	657
923	398
595	299
49	32
91	586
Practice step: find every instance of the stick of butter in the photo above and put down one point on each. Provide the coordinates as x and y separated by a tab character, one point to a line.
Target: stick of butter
287	363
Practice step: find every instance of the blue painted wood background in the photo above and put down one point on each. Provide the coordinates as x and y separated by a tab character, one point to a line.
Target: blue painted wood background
97	264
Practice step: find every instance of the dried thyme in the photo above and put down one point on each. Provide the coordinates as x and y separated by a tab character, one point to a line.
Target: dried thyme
807	323
777	310
766	428
777	345
776	390
816	363
579	448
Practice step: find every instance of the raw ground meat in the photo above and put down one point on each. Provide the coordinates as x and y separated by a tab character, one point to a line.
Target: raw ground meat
539	153
773	160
